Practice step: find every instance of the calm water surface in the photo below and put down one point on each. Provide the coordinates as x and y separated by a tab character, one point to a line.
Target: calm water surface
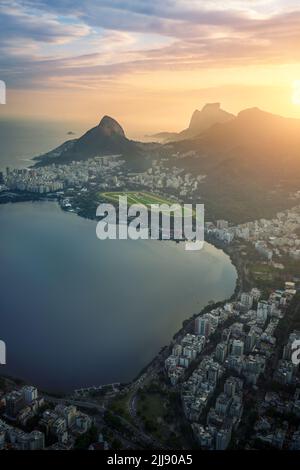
77	311
20	140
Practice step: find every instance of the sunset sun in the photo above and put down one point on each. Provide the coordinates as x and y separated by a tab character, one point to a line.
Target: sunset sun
296	93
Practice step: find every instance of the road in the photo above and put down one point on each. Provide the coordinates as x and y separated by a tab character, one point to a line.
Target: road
138	434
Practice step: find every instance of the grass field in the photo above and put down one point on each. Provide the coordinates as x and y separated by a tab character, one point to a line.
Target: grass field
120	405
137	197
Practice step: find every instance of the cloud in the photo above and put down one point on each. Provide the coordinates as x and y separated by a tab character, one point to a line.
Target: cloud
88	43
17	23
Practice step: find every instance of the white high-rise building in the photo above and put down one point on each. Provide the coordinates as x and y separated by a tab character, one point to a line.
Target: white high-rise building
246	300
37	440
221	351
256	293
30	394
202	326
223	437
237	347
263	309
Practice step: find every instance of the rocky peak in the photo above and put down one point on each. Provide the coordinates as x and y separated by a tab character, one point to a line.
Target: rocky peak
110	126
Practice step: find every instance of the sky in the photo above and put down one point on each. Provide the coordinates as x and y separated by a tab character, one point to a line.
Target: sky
149	64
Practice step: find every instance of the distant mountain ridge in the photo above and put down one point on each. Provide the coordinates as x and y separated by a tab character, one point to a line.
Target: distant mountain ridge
213	128
251	163
256	140
253	134
210	114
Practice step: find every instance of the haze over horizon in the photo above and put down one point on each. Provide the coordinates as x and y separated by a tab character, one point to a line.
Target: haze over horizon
147	65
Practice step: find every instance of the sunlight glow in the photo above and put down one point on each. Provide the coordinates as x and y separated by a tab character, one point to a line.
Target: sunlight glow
296	92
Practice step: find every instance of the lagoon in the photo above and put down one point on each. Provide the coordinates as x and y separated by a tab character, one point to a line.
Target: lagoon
77	311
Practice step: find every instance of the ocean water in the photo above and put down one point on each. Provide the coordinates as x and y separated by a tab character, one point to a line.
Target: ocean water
20	140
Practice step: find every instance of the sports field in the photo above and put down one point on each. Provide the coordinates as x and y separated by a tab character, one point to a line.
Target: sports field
138	197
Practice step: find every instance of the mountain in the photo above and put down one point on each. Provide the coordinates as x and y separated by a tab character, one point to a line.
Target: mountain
107	138
210	114
200	121
251	163
256	136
